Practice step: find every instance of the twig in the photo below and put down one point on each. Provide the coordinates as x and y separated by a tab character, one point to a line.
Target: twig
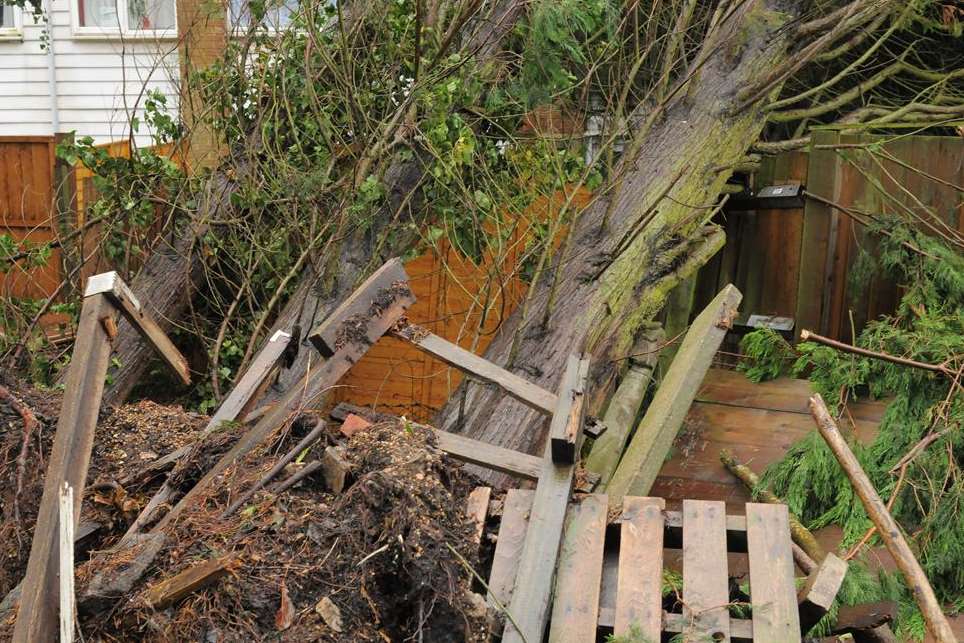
808	336
30	423
305	442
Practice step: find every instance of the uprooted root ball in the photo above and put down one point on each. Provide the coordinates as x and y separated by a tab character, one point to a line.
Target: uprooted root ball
375	563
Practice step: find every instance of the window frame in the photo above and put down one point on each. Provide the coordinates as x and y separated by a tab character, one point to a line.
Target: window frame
15	32
235	27
121	32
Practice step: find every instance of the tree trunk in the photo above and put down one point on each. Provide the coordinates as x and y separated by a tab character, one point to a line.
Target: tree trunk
613	279
174	271
164	287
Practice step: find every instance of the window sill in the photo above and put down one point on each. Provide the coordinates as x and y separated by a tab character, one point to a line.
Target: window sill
11	35
137	36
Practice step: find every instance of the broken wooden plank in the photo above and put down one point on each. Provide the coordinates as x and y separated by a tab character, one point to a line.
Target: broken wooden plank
654	436
68	463
508	548
170	591
639	599
335	468
705	582
110	284
565	432
488	455
772	589
887	527
575	608
620	416
476	510
67	564
817	595
521	389
530	599
386	286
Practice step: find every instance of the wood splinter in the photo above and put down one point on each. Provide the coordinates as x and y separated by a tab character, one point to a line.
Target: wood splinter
187	582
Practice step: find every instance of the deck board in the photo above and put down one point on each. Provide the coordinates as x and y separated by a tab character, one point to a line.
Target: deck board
705	581
772	589
640	575
575	609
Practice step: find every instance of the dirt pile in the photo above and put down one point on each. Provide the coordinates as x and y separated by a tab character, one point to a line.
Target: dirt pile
386	559
382	561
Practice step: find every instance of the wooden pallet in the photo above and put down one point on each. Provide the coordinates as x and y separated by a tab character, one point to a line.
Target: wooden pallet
609	576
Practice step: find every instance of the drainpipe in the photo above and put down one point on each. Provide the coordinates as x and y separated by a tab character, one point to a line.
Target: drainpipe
52	68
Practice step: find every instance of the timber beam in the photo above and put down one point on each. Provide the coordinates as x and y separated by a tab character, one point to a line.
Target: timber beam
529	607
520	388
654	436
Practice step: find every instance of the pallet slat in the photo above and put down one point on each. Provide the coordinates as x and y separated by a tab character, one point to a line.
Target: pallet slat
772	589
579	575
508	549
639	580
705	582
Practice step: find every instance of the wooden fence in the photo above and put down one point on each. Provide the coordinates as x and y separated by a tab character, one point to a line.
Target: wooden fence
802	263
27	180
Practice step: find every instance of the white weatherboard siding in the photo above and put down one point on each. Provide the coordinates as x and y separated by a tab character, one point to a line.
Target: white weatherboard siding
100	81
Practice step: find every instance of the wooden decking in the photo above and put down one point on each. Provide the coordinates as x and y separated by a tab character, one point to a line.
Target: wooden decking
757	422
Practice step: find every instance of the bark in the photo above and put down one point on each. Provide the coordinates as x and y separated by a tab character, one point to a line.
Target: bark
605	293
164	286
175	271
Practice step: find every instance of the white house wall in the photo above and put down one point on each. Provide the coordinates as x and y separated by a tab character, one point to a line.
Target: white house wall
99	81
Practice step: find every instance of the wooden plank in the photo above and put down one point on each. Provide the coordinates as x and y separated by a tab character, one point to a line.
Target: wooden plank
477	508
169	591
508	548
521	389
114	287
530	600
773	592
639	601
705	582
387	284
576	601
815	237
565	431
654	436
488	455
68	463
66	564
817	595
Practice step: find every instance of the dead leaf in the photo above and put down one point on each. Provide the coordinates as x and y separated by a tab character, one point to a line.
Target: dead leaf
286	613
330	613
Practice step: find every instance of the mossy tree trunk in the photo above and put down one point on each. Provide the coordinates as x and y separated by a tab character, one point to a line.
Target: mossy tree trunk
611	279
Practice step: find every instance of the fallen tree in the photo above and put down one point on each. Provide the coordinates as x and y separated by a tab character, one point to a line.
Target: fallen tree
408	130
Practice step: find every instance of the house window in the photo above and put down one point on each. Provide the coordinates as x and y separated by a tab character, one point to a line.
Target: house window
10	22
278	14
130	18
